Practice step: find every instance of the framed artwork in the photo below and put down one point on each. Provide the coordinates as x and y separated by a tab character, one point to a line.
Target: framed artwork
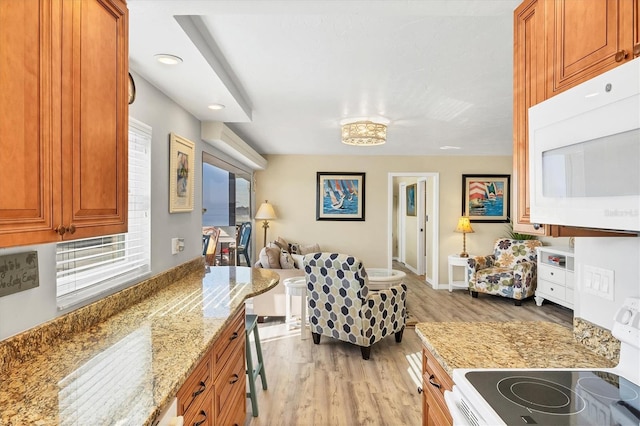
411	200
340	196
181	174
486	198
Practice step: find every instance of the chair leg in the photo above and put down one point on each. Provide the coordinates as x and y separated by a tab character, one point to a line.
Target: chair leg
316	338
474	294
246	257
253	373
399	335
366	352
518	302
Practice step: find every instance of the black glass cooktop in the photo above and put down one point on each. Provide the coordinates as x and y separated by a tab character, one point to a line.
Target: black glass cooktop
567	397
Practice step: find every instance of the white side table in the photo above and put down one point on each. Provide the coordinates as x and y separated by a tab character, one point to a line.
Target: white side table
456	260
296	286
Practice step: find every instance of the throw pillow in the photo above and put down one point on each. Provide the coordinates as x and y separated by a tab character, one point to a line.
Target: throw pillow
270	257
282	244
298	260
294	248
286	261
274	257
310	248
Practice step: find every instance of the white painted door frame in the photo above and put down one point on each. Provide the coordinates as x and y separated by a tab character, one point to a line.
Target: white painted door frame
421	214
402	207
434	197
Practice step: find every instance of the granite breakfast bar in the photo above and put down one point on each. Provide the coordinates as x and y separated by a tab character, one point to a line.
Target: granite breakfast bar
127	368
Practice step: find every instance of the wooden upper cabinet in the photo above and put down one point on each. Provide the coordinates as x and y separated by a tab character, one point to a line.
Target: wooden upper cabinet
528	90
558	44
95	116
63	114
587	38
26	80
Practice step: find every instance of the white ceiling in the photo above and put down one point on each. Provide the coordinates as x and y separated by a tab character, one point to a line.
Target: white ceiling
289	71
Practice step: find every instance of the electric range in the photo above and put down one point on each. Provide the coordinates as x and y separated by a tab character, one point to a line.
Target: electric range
559	397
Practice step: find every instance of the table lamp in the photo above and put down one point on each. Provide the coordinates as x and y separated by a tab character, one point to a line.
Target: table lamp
265	213
464	226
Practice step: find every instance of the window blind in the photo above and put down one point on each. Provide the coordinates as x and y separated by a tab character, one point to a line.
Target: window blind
86	268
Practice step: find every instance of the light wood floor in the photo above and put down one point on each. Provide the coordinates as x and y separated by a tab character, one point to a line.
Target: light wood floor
330	383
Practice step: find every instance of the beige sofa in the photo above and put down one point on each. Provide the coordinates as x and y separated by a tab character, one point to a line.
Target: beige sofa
273	302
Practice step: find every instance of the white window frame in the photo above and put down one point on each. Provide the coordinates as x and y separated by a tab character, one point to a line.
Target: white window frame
100	274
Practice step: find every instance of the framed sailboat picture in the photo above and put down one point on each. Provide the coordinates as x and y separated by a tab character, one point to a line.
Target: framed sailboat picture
340	196
486	198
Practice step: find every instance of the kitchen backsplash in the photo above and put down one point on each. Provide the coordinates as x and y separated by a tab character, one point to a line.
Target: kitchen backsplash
596	338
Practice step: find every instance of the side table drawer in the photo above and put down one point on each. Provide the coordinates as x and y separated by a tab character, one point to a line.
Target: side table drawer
552	289
551	274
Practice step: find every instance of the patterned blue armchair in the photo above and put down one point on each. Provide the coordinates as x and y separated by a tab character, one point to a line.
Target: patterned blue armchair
341	305
509	272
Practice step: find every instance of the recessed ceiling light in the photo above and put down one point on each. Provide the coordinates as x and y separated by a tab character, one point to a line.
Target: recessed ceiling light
216	107
449	147
168	59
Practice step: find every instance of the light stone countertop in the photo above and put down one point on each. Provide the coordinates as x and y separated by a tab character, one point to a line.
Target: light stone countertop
515	344
126	370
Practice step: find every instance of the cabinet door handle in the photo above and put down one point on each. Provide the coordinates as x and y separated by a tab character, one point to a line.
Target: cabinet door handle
431	377
419	389
536	226
234	379
202	413
620	55
636	50
71	229
203	387
60	230
234	336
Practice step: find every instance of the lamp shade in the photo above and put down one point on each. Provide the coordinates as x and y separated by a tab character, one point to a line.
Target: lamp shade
265	211
464	225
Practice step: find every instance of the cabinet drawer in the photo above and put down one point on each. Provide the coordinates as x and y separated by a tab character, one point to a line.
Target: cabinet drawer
551	274
437	414
230	339
195	387
552	289
202	413
230	386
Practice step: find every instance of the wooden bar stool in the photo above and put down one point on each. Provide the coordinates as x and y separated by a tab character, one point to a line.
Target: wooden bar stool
251	324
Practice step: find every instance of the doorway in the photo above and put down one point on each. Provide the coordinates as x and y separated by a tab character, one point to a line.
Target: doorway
413	223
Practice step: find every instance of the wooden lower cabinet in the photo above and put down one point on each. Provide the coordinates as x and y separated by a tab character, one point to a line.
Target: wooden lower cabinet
215	393
434	382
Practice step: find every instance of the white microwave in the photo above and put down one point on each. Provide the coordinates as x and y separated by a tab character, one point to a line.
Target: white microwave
584	153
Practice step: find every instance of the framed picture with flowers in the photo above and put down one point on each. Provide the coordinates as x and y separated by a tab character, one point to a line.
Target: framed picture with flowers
181	174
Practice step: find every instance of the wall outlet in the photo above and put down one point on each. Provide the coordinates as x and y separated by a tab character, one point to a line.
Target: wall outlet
177	245
598	281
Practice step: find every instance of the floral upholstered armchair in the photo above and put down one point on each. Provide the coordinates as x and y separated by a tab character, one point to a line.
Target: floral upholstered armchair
509	272
341	305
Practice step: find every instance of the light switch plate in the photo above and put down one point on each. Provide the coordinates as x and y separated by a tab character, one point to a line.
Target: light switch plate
598	281
177	245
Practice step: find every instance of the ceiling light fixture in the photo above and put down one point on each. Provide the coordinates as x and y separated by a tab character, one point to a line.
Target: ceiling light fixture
449	147
168	59
216	107
364	131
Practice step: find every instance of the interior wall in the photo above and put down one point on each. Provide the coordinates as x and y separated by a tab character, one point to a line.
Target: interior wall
289	183
620	254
